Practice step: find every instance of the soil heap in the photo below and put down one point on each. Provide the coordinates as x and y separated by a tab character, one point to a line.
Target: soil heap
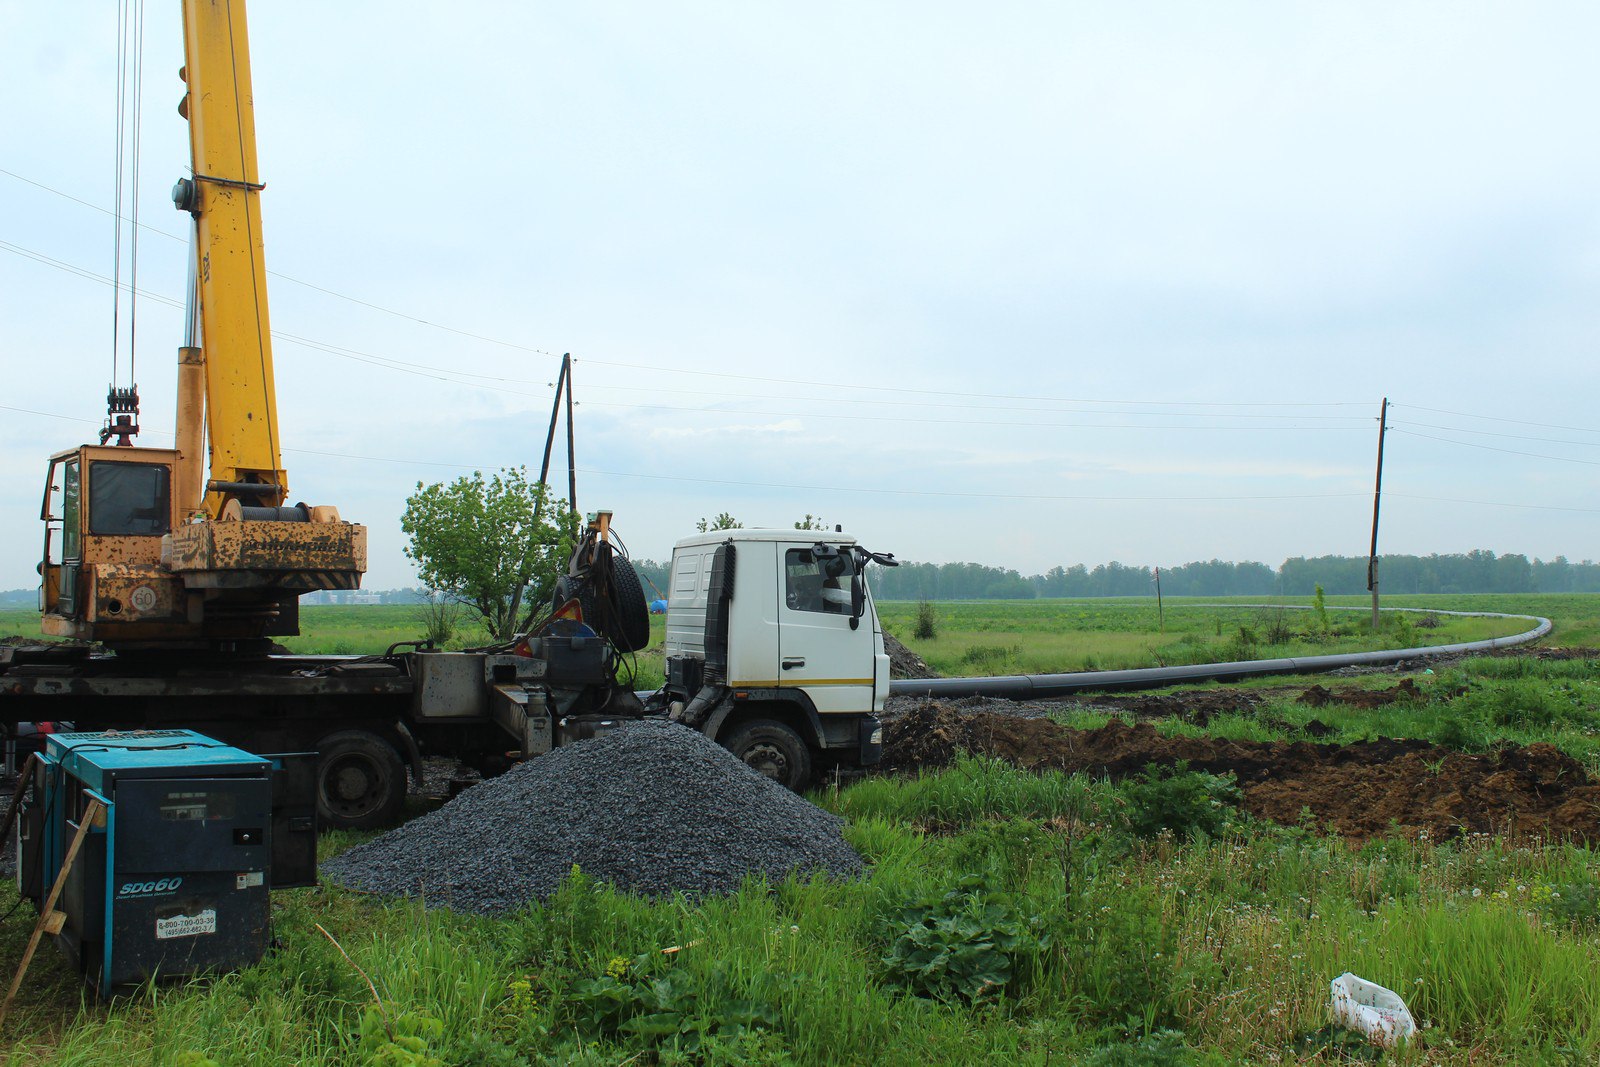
904	663
653	807
1359	790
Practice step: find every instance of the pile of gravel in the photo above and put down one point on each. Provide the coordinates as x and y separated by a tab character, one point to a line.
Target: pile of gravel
653	808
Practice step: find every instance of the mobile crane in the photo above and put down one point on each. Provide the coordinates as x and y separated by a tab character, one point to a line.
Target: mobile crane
186	572
144	552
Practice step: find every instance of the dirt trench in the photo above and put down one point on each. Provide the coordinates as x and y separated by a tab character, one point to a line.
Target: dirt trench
1357	790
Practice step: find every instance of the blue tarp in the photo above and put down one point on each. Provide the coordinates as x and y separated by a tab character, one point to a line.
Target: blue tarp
658	607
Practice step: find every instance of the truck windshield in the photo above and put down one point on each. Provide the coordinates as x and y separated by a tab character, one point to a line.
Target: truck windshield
813	584
129	499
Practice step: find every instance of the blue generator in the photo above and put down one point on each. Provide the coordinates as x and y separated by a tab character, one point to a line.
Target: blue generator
172	879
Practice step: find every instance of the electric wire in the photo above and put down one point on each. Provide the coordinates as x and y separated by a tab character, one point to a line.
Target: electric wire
1509	436
402	461
1492	448
1499	418
897	390
496	384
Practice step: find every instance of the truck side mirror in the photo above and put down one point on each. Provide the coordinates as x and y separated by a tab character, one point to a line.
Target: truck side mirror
858	599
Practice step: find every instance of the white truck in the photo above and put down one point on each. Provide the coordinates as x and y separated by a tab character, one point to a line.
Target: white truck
773	649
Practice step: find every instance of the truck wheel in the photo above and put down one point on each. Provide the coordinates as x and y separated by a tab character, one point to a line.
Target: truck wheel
361	783
774	750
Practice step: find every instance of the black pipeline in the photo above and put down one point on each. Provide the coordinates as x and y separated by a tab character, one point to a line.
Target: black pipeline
1038	686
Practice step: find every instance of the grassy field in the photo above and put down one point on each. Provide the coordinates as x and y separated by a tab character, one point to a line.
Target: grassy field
1007	917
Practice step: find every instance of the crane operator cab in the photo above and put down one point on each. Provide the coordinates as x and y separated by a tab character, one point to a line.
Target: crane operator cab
123	567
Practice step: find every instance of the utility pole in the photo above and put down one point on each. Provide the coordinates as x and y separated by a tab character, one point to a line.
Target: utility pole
563	386
1161	618
1377	498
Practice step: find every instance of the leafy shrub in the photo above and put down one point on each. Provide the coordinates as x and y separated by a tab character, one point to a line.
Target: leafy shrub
1163	1048
1275	628
927	627
1188	803
1242	645
1121	956
991	657
665	1005
962	946
398	1040
1576	903
1319	608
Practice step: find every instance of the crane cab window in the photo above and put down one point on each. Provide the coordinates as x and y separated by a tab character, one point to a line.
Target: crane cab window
129	499
813	584
61	514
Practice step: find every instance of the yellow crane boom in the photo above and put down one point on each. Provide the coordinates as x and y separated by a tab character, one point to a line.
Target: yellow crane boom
224	196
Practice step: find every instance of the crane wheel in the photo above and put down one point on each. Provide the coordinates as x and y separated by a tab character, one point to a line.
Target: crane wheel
773	749
361	782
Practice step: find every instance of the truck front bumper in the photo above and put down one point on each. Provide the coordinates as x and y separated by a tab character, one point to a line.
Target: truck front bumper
871	751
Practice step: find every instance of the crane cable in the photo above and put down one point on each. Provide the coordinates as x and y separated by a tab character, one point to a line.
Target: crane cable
129	94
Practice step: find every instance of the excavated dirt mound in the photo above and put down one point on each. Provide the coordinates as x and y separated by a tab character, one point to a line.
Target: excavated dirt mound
904	663
1358	790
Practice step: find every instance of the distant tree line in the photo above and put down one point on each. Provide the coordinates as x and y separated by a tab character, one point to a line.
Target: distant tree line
1479	571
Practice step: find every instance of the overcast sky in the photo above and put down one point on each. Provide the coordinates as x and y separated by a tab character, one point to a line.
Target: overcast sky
1024	284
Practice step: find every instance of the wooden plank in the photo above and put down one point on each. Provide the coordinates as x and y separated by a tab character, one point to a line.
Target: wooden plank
93	812
24	779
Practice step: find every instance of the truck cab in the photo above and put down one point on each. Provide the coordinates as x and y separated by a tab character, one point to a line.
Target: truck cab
773	649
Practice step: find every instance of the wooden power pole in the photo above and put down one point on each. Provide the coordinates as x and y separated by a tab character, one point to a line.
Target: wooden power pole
1377	498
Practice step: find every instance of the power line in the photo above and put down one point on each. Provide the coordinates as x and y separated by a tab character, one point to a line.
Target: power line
1491	448
443	374
1511	436
1497	418
1494	503
894	389
401	461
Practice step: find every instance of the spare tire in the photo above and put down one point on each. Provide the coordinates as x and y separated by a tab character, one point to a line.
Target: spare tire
632	613
624	618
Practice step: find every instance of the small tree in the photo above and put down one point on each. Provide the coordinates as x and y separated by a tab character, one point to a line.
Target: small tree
811	522
489	544
927	627
437	614
724	521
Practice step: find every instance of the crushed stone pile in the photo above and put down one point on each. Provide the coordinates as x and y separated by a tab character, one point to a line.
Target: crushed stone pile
653	808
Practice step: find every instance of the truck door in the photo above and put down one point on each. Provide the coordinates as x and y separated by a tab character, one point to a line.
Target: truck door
817	649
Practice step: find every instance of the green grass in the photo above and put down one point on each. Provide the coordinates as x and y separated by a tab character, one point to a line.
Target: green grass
1228	942
1210	950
